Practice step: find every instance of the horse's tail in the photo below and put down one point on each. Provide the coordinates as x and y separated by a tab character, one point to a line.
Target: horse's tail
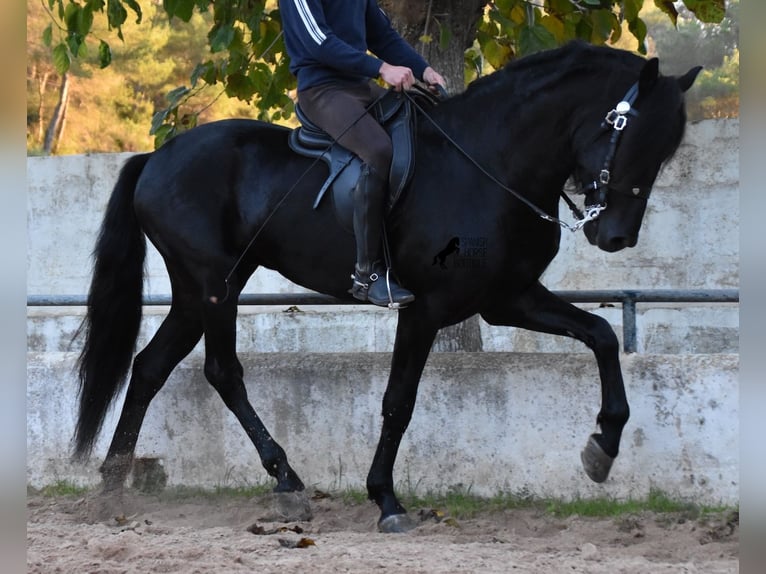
114	308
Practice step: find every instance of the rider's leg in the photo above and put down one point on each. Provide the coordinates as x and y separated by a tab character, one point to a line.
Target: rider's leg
340	111
371	280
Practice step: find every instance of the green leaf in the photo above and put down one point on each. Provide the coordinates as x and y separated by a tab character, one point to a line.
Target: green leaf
555	26
207	71
184	9
133	5
48	35
84	20
638	29
104	54
669	9
95	5
163	134
176	95
220	37
76	45
631	8
158	119
495	53
604	24
240	86
505	5
709	11
535	39
560	7
71	15
116	13
61	58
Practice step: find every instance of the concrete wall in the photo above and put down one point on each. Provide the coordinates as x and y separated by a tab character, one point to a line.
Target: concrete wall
483	419
512	422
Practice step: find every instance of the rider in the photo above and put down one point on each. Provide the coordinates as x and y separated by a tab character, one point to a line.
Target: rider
328	43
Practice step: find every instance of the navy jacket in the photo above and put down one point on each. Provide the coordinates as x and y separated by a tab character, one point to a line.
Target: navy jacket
328	40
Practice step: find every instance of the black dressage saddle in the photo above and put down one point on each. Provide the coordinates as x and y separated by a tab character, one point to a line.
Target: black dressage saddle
395	113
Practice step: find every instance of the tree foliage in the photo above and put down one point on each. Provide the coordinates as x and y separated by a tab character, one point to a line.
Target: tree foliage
111	109
247	59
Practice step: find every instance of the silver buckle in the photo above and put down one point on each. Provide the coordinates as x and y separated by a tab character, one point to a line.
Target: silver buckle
617	117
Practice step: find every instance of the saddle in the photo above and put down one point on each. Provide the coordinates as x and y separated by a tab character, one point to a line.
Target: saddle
396	114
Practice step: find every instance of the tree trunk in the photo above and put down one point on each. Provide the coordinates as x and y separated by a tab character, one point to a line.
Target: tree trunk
450	26
56	125
41	87
465	337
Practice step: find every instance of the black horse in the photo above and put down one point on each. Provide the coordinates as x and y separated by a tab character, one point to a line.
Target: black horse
491	165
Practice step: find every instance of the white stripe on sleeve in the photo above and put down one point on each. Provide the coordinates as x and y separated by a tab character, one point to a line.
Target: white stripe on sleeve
308	20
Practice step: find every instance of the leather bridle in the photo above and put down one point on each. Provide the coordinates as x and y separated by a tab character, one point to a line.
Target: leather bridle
616	121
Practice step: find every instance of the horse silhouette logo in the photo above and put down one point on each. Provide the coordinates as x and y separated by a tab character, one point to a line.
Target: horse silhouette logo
452	247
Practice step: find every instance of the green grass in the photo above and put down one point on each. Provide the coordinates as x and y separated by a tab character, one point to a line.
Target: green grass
657	501
461	503
60	488
457	502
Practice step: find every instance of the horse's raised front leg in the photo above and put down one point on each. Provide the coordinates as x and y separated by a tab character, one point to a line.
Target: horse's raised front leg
540	310
413	343
224	372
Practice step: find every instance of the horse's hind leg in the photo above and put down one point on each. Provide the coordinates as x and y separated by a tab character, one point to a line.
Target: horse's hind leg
224	372
540	310
175	339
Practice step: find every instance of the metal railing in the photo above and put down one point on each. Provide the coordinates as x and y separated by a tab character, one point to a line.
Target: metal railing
628	298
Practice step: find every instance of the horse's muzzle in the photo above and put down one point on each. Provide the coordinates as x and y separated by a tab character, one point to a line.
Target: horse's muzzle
606	240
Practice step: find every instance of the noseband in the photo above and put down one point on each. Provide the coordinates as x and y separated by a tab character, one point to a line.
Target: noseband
616	120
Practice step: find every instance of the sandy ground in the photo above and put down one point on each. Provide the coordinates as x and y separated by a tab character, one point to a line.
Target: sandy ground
202	534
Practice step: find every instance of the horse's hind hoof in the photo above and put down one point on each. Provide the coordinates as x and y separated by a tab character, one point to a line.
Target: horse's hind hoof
104	507
396	524
289	507
596	462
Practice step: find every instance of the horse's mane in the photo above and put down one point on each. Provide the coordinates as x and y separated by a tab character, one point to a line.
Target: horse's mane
529	74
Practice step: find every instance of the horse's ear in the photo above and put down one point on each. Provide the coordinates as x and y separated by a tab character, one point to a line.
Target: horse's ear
649	75
685	82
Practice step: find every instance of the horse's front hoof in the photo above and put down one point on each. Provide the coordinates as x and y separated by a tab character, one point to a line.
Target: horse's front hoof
396	524
596	462
289	507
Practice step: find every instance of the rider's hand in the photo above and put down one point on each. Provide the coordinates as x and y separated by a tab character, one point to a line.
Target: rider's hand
432	78
399	77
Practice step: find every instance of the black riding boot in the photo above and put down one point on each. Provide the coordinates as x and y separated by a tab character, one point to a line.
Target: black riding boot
372	282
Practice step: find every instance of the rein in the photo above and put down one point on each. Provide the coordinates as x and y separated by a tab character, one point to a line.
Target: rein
616	118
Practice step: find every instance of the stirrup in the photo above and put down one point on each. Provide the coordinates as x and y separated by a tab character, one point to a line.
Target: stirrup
395	305
395	301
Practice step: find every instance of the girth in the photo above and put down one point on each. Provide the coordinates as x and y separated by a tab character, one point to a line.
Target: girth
395	113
